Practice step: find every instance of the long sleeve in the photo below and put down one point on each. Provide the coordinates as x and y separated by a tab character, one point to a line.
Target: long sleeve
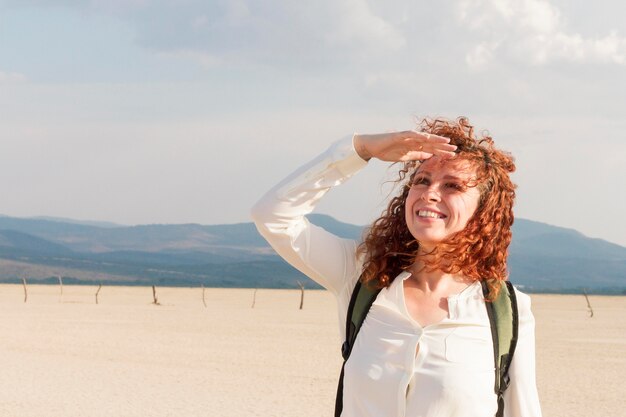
521	398
280	218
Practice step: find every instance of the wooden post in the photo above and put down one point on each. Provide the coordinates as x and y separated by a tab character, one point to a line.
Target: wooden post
254	297
301	294
588	304
98	292
61	286
154	296
25	289
203	299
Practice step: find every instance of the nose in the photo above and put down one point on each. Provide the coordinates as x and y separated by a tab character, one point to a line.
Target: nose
431	195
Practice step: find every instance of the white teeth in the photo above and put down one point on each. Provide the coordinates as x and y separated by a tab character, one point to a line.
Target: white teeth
428	213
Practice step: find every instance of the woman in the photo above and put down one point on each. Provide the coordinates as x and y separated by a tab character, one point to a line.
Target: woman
425	347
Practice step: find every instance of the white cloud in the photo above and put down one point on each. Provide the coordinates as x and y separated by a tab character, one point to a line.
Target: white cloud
340	34
237	11
114	5
532	32
357	23
479	57
204	59
274	33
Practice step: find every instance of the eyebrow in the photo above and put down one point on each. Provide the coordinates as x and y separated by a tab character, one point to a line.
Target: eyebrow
446	177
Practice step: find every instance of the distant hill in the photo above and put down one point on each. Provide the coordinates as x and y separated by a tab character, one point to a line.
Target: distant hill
83	222
542	257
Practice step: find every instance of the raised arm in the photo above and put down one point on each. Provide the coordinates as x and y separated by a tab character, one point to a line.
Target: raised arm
280	218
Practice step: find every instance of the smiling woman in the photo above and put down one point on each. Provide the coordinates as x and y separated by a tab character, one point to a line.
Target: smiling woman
458	211
436	256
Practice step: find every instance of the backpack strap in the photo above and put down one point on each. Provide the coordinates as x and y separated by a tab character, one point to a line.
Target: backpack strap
360	303
504	320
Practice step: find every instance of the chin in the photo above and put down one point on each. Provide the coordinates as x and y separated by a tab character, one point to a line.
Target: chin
427	238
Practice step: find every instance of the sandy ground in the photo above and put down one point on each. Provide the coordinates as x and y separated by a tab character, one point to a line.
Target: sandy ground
63	355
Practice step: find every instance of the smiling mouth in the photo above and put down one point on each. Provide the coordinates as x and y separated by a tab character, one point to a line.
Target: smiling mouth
430	214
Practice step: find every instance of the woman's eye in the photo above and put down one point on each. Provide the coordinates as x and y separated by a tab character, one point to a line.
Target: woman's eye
421	181
455	186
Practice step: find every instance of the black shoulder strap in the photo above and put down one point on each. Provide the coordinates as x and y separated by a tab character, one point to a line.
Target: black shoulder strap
504	320
360	303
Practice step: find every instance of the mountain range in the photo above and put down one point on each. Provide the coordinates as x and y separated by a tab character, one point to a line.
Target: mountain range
543	258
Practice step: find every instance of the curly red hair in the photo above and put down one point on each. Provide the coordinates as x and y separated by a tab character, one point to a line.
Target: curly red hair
478	252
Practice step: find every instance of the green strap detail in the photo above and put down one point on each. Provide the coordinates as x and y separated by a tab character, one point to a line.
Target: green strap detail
364	299
503	321
503	316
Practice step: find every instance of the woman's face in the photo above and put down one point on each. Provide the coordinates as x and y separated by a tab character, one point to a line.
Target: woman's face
440	202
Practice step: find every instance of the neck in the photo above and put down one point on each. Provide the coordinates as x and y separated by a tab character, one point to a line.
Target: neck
434	281
427	280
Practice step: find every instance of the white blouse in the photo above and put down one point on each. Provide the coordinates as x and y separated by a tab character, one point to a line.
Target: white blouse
452	374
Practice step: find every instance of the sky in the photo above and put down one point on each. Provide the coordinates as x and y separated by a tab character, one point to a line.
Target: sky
185	111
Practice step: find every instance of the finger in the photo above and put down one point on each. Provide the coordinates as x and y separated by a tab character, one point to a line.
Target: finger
411	135
416	156
432	138
423	138
433	147
445	154
442	146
